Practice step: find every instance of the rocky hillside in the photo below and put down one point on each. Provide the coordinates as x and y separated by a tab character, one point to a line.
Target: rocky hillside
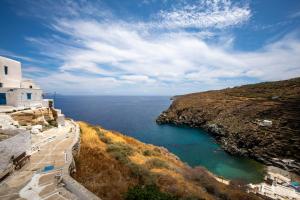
115	167
235	117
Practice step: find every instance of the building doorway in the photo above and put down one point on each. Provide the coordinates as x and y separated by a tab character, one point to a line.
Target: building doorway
2	99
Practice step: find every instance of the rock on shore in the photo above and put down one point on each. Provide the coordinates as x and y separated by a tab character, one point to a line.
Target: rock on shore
239	119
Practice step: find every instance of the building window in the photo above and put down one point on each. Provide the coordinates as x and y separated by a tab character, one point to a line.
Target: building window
1	85
30	86
28	96
5	70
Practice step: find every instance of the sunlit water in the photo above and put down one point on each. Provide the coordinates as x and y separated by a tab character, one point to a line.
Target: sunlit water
135	116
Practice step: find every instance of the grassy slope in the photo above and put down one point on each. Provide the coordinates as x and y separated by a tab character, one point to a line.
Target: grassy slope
109	163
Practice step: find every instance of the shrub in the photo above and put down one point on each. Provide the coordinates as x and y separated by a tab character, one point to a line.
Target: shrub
157	163
157	150
119	156
192	198
47	127
102	136
224	196
147	153
150	153
104	139
120	151
149	192
120	147
137	170
53	123
143	174
210	189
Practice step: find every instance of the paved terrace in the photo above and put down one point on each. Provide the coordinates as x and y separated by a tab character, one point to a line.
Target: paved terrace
53	147
7	109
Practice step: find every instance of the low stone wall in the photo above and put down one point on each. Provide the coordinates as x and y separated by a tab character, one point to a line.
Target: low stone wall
14	146
71	184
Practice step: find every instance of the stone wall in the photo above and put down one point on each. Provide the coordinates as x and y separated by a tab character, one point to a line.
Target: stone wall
71	184
14	146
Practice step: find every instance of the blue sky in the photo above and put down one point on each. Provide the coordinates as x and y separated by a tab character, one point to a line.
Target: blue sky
151	47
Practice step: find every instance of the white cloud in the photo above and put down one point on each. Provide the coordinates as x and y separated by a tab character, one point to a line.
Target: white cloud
137	78
115	51
275	61
49	9
6	53
295	14
112	56
68	83
206	14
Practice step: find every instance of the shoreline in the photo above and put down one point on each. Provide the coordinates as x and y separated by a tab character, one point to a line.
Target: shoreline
246	120
221	148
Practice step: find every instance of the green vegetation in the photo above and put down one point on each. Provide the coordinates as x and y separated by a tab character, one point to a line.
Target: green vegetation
151	153
120	151
149	192
157	163
144	176
102	136
47	127
53	123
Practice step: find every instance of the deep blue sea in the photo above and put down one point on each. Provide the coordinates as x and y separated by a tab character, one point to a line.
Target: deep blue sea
135	116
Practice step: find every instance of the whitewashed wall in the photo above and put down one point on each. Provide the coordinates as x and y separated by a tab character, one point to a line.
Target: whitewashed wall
14	77
28	83
18	97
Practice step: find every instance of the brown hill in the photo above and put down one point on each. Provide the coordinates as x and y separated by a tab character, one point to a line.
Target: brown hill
235	117
110	163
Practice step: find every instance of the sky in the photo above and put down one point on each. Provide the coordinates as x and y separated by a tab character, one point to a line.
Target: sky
151	47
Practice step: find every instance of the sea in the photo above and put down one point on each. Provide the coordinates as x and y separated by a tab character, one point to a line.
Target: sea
135	116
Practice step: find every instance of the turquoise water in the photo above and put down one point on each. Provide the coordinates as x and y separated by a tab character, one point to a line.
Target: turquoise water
135	116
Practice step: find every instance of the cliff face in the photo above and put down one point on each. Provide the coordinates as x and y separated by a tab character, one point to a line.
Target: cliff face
109	163
235	118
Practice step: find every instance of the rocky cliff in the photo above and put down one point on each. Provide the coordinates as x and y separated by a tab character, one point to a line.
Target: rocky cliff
261	121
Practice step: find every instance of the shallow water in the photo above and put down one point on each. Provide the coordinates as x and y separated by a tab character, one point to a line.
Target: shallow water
135	116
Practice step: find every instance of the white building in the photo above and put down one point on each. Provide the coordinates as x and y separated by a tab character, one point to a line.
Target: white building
275	191
277	185
16	91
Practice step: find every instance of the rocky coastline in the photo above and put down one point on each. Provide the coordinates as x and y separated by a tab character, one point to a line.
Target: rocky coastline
236	118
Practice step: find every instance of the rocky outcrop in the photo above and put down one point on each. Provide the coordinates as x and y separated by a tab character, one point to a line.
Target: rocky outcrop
235	117
39	116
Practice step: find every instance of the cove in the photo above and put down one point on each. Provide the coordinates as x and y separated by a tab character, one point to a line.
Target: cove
135	116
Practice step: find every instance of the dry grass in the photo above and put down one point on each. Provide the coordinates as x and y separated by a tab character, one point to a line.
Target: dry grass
109	168
97	170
